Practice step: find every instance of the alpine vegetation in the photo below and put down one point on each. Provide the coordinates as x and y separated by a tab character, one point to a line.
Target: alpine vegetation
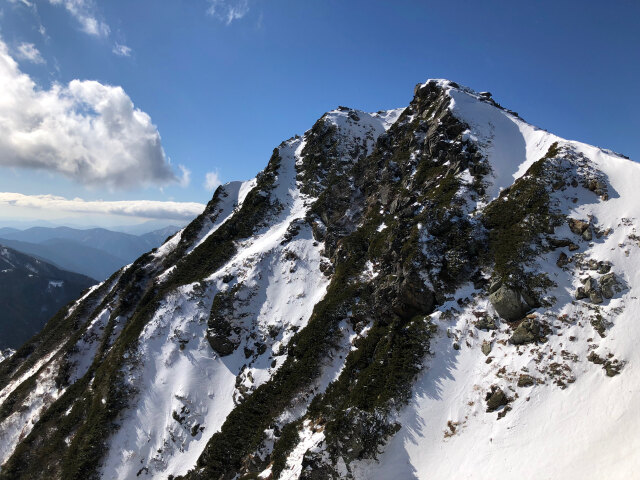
437	291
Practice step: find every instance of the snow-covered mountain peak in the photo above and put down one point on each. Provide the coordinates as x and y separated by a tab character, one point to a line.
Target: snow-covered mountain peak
406	293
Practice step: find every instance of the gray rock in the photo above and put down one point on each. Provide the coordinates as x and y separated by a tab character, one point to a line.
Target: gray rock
609	285
495	399
578	226
562	260
486	347
509	303
595	297
604	268
527	332
587	235
526	381
486	322
558	242
589	285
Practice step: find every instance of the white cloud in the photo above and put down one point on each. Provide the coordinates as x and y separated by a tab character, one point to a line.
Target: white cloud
185	179
84	12
29	52
122	50
26	3
228	10
87	131
212	181
132	208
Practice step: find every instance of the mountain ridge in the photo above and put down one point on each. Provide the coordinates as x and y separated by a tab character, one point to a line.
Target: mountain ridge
392	287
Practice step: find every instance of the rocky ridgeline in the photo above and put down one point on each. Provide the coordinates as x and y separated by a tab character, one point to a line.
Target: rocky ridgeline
394	221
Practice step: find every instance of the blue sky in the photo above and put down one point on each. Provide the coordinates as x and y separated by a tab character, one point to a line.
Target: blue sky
225	81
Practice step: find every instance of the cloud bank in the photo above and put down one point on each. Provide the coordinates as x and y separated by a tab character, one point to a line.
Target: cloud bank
130	208
86	131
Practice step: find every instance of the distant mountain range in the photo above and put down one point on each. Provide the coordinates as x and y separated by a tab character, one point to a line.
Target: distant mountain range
31	291
96	252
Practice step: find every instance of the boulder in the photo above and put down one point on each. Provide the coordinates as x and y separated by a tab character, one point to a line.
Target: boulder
562	260
578	226
595	297
413	298
527	332
495	399
486	347
509	303
526	381
609	285
558	242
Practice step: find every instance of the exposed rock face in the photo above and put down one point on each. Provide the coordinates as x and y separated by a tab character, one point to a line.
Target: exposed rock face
509	303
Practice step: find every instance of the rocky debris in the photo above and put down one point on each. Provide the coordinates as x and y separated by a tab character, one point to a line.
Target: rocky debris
599	324
495	399
577	226
589	290
607	286
526	381
580	227
486	347
292	230
485	322
573	247
598	187
611	366
527	332
510	304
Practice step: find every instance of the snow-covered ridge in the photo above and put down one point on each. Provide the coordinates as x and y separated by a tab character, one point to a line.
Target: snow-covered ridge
184	384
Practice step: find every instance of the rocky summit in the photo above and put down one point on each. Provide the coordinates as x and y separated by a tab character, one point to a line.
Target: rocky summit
437	291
